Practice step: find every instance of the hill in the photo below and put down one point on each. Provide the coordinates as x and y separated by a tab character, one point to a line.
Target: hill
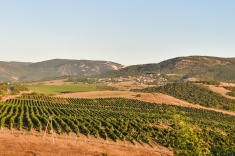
201	67
195	94
23	71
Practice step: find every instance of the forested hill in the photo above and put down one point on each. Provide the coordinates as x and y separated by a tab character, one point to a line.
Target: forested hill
21	71
203	67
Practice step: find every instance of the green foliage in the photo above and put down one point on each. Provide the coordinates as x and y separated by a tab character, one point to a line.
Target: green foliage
217	83
107	88
53	68
13	93
17	88
138	95
63	88
189	131
202	67
3	93
224	151
231	94
232	89
195	94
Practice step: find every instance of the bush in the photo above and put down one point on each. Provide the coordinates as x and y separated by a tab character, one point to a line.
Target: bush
138	95
13	93
3	93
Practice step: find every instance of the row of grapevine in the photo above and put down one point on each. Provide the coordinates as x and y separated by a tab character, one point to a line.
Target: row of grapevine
123	119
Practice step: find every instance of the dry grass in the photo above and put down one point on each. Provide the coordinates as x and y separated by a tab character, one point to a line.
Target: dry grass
22	145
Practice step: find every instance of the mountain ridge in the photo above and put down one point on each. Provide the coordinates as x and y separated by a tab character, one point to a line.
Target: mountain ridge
25	71
201	67
177	69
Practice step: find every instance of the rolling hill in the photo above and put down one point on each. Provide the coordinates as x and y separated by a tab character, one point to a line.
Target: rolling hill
177	69
201	67
23	71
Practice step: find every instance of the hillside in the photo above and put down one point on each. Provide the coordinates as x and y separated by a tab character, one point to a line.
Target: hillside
183	130
195	94
22	71
201	67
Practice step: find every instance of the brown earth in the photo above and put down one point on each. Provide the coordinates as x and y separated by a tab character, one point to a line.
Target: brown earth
25	145
148	97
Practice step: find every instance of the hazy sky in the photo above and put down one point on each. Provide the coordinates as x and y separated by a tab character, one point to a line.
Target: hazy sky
124	31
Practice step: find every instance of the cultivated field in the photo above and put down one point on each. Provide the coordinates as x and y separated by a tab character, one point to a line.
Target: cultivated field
151	115
61	88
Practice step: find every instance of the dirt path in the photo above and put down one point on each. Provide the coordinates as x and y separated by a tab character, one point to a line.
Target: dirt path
22	145
148	97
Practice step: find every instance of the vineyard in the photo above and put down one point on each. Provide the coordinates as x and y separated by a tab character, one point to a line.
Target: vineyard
185	130
232	89
195	94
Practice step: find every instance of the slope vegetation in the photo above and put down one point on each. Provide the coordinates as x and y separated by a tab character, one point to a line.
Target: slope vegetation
193	93
20	71
202	67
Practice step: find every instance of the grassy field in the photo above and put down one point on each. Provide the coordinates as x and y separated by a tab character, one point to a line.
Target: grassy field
62	88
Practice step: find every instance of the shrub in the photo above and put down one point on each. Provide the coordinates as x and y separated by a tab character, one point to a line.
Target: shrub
13	93
138	95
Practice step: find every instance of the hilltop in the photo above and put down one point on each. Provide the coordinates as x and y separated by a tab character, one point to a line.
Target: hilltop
25	71
200	67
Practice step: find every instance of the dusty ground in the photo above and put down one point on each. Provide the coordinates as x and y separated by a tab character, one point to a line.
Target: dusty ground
149	97
22	145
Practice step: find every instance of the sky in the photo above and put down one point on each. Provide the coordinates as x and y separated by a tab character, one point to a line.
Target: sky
128	32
